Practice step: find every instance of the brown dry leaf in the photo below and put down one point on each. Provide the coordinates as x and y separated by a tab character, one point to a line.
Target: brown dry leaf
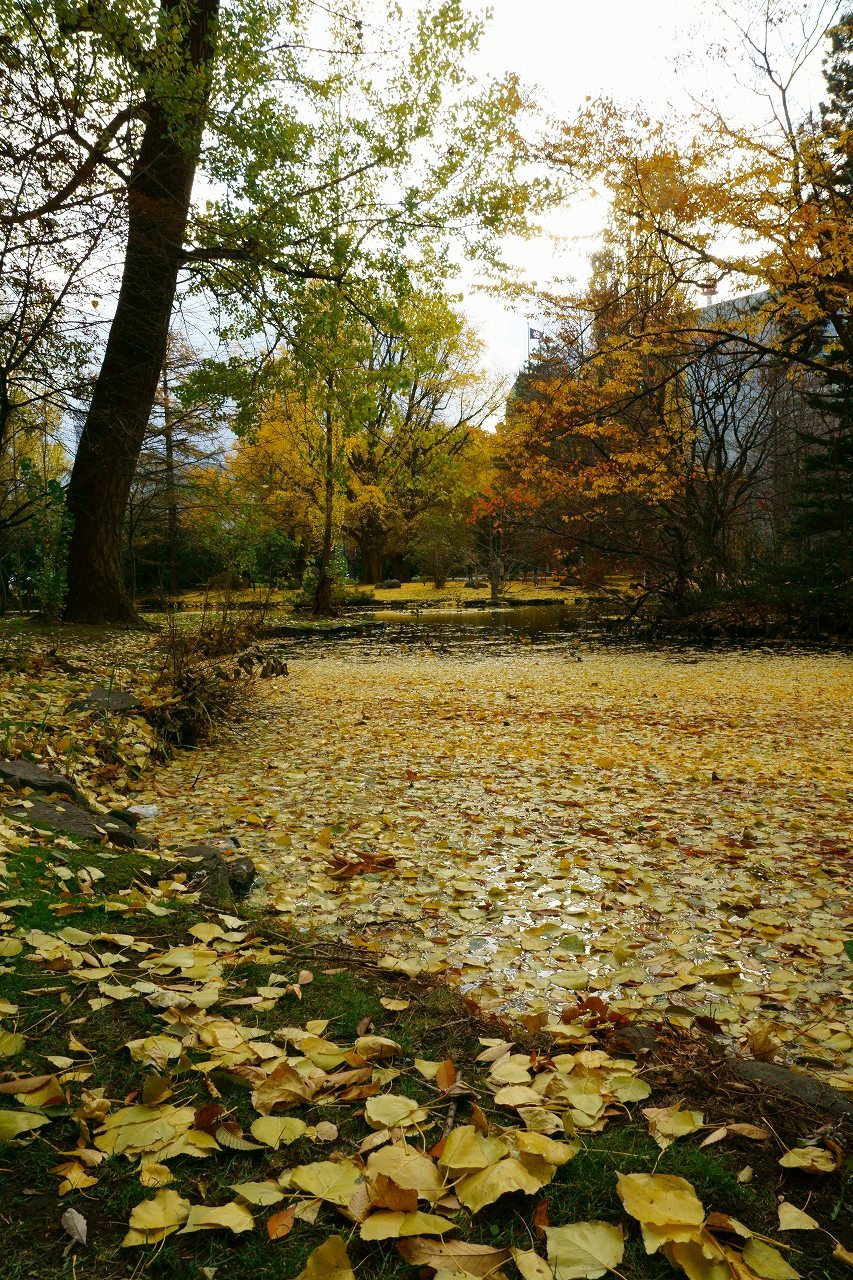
388	1195
753	1131
283	1087
843	1255
445	1076
453	1255
281	1223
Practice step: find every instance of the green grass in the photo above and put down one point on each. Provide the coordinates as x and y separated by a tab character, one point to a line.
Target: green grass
346	990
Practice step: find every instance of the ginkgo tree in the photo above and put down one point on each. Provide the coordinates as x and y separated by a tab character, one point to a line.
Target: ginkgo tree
149	95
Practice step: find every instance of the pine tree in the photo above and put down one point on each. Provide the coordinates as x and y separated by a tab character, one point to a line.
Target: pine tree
824	506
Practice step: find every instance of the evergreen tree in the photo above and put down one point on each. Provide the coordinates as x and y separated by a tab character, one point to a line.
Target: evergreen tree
824	505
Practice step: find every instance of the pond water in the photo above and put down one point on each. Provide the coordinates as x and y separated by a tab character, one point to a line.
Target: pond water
545	816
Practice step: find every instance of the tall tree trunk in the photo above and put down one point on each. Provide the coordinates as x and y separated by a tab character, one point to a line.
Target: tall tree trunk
323	604
158	206
371	563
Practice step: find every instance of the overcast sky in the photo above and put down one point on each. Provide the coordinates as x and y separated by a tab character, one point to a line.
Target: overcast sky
655	52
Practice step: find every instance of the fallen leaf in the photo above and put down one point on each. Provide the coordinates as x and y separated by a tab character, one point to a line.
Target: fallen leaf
809	1160
76	1226
276	1131
281	1223
768	1262
661	1201
666	1124
329	1261
793	1219
454	1256
390	1226
584	1250
14	1123
232	1217
152	1220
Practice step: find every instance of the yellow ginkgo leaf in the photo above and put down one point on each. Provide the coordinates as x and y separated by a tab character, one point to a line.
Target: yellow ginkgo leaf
531	1266
465	1148
13	1123
793	1219
11	1044
408	1168
276	1131
390	1110
261	1193
154	1174
809	1160
331	1180
768	1262
329	1261
660	1199
476	1190
390	1226
153	1219
698	1260
668	1123
231	1217
584	1250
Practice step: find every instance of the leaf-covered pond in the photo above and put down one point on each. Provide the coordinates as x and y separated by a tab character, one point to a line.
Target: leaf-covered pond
548	818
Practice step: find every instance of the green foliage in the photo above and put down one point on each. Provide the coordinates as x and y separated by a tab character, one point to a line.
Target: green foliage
338	574
51	528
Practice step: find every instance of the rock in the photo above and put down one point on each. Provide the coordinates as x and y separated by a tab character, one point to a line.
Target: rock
101	699
390	584
795	1084
216	879
474	584
21	773
241	875
72	820
127	816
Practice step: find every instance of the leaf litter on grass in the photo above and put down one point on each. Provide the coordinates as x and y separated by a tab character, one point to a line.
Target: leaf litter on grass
575	941
667	837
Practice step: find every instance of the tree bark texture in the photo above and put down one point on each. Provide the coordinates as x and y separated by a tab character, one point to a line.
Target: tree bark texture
324	606
158	206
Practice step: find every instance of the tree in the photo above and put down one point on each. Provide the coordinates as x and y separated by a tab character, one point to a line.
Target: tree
147	95
430	398
823	516
763	209
186	433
